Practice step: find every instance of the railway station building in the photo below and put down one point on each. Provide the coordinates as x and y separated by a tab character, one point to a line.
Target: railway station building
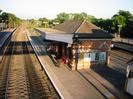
78	44
2	26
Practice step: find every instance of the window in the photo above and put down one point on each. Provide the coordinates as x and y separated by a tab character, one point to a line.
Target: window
97	56
89	57
92	56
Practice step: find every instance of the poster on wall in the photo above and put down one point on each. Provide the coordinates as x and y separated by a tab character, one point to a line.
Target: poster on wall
87	57
102	56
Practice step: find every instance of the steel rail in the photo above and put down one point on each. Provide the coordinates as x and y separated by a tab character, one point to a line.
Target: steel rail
9	68
5	65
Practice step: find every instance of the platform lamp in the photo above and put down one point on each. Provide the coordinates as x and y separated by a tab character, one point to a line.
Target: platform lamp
76	46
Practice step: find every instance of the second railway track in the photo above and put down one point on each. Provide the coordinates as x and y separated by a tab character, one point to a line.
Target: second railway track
21	76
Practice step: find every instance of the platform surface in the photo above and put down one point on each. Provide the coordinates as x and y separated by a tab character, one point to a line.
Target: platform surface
3	37
69	84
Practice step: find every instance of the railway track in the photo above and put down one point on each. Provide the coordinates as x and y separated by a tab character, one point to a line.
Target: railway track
118	60
110	82
122	54
4	67
39	83
6	53
21	76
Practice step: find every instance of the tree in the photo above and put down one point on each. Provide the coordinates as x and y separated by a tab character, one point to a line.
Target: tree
0	16
0	11
32	22
105	24
82	16
4	18
44	22
62	17
10	19
119	22
128	30
78	16
126	14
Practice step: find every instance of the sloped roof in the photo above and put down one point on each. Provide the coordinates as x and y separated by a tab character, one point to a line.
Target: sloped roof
83	29
50	30
86	27
76	26
69	26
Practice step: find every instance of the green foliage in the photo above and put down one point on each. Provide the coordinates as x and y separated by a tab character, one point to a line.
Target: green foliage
73	16
32	23
0	11
61	17
43	22
126	14
128	30
82	16
106	24
10	19
119	23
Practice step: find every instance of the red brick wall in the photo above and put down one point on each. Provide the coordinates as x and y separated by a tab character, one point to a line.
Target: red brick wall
95	44
99	45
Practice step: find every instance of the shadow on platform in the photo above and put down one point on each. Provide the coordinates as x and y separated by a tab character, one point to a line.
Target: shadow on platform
116	78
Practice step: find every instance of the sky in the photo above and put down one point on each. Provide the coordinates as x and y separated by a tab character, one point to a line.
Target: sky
27	9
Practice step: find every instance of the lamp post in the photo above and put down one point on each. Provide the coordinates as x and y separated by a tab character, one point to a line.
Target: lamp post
119	30
76	46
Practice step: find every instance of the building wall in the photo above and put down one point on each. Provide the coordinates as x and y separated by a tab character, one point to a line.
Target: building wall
2	26
90	52
77	54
